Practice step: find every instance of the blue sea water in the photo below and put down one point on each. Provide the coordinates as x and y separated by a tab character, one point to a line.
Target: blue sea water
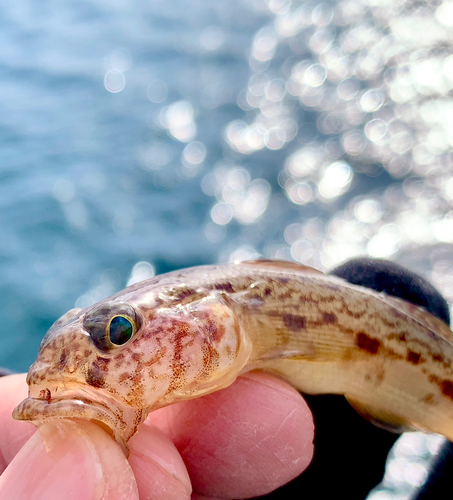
189	132
77	203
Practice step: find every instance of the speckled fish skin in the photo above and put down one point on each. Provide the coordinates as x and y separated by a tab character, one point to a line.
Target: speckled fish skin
202	327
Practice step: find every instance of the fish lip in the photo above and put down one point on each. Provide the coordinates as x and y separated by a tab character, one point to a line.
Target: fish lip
39	411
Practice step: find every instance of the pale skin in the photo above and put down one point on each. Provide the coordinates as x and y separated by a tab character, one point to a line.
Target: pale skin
262	426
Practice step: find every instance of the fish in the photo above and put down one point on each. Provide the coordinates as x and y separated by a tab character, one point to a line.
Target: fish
191	332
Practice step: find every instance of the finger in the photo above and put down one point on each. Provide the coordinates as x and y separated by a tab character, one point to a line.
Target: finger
72	460
158	467
157	464
243	441
13	434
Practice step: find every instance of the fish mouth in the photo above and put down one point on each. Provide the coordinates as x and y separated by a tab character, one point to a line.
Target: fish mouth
118	420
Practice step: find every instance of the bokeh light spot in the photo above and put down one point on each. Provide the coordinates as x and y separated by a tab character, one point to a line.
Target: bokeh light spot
336	180
178	118
141	271
114	81
157	91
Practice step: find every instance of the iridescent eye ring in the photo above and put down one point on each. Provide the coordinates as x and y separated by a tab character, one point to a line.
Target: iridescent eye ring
120	329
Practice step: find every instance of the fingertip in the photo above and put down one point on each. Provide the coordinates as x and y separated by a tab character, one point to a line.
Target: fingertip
71	460
158	467
13	434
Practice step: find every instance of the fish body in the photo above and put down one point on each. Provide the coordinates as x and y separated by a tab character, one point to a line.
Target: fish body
191	332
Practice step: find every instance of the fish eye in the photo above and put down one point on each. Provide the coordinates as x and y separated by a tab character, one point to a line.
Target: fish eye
120	330
111	325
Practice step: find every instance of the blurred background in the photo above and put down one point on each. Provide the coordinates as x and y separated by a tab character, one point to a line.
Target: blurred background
143	136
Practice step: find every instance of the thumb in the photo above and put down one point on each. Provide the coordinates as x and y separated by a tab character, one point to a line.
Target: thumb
69	459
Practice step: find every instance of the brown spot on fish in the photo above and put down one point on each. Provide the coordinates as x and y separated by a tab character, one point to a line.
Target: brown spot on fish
184	292
62	362
119	360
414	357
180	331
45	394
215	331
393	354
437	357
102	364
429	399
207	361
158	356
138	417
286	295
367	343
158	302
447	388
353	313
225	287
294	322
94	377
329	318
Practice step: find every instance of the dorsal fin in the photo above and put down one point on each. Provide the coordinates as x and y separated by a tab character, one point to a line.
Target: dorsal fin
280	265
422	315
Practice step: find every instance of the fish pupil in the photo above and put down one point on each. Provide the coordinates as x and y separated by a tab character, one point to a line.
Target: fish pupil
120	330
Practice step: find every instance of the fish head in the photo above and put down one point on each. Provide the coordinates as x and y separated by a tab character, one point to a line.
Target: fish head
116	361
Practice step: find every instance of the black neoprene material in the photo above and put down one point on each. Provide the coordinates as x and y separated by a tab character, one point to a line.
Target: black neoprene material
393	279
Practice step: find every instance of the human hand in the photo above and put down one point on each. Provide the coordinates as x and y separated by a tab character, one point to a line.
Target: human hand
241	442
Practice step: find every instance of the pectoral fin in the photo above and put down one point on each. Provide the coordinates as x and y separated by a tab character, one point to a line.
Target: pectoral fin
380	417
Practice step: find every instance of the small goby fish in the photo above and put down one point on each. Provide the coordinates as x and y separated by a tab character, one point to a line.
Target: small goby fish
191	332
